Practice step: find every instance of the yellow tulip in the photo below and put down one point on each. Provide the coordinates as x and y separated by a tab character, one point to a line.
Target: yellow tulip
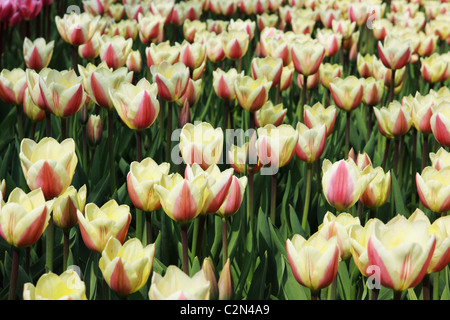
141	181
126	268
24	217
176	285
97	225
50	286
48	164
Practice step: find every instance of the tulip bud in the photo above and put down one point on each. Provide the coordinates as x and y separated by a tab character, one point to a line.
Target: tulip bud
225	284
31	110
364	65
210	275
94	129
66	205
377	192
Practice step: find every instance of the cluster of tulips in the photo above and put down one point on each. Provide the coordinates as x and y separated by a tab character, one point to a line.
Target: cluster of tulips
284	76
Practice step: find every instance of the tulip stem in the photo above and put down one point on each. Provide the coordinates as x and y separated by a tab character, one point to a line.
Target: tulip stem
426	287
112	172
49	244
424	150
138	145
347	133
304	91
250	198
273	200
48	124
66	249
391	88
224	240
75	59
148	227
396	147
315	295
184	242
397	295
436	286
307	196
20	121
386	153
63	128
14	274
169	130
201	226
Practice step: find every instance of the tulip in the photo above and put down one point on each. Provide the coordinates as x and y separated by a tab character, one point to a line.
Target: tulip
433	190
359	238
347	93
238	157
48	164
307	56
344	27
176	285
50	286
103	79
156	53
226	8
150	27
440	159
364	64
328	71
191	28
126	268
37	53
214	49
311	142
314	261
328	15
12	86
201	143
181	199
269	67
217	185
225	284
234	198
24	217
421	111
2	189
427	44
192	54
192	94
286	77
439	122
29	9
377	192
76	29
134	61
266	20
172	80
343	182
62	93
163	7
31	110
136	105
91	49
441	254
276	145
97	225
223	82
65	207
330	40
252	93
395	120
397	244
116	11
339	226
235	44
210	275
373	91
94	129
394	52
141	181
94	7
270	114
278	48
434	68
114	50
317	115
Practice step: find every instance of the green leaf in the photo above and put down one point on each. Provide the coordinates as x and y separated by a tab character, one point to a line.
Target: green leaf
398	196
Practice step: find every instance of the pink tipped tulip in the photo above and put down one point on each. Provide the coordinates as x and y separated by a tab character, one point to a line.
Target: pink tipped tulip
395	120
307	56
48	164
24	217
172	80
12	86
394	52
440	123
234	198
343	182
115	50
223	83
433	188
37	53
99	224
311	142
